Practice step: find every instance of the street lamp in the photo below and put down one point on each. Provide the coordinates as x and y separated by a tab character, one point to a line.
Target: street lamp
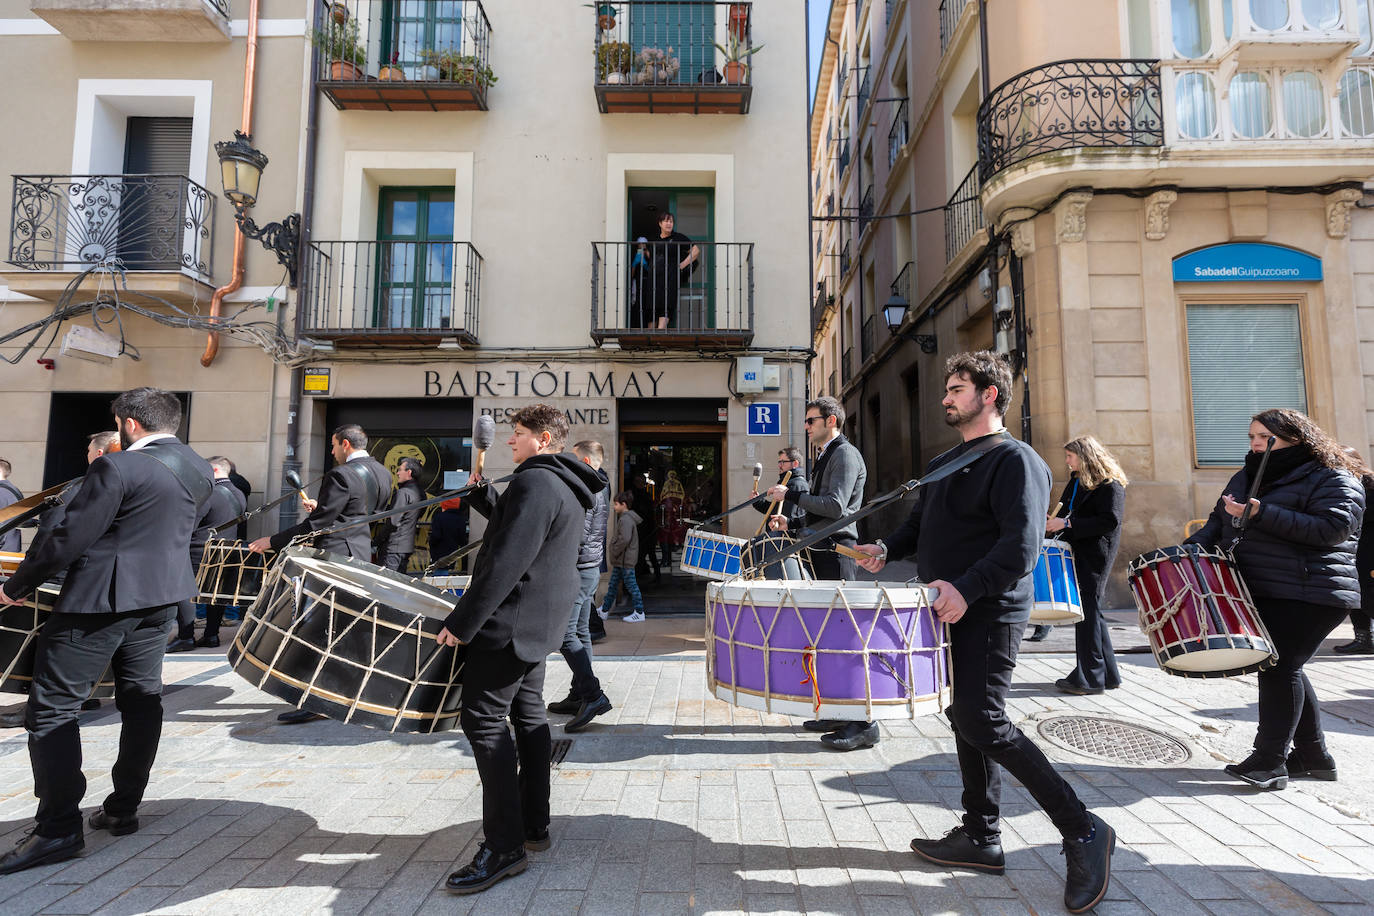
241	166
894	313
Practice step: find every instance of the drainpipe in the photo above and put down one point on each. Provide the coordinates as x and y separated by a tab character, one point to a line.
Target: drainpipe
250	76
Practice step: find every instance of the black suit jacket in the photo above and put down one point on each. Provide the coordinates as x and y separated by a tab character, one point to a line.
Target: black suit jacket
225	504
345	495
397	534
796	515
124	540
11	540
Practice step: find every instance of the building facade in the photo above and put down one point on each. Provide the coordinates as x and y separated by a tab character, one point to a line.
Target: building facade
472	180
1158	214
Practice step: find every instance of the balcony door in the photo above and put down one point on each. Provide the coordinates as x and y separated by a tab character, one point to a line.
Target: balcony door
410	27
415	258
688	29
693	212
151	194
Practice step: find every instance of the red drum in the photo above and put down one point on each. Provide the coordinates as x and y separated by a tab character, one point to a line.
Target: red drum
1197	613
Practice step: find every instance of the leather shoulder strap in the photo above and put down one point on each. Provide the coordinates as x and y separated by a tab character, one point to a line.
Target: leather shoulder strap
372	487
196	484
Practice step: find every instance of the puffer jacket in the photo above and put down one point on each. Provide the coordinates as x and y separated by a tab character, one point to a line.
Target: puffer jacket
1300	545
593	549
625	539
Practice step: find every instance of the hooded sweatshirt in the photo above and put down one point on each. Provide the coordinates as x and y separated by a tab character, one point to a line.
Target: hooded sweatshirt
625	539
527	566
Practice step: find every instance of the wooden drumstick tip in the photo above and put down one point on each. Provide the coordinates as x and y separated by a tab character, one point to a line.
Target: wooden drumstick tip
846	551
1057	506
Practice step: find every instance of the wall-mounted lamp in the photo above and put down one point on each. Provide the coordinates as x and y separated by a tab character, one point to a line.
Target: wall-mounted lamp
241	168
894	313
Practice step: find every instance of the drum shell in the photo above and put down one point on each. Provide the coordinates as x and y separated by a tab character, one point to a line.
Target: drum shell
711	554
231	575
1057	599
759	550
1197	613
351	641
878	650
19	626
449	585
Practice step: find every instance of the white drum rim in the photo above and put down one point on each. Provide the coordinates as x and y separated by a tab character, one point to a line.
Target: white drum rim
1216	659
843	710
820	592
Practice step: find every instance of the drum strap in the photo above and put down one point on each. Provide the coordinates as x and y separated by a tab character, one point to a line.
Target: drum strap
372	487
197	484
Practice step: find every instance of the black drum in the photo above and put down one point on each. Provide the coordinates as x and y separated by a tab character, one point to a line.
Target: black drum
351	641
230	574
19	626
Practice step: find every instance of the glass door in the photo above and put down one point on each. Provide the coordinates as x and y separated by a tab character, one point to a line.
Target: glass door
412	27
693	212
415	258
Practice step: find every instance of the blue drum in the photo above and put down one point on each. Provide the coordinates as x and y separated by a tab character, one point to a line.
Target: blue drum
1057	602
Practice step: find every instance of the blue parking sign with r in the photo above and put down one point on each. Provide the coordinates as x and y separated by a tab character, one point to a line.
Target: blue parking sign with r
765	420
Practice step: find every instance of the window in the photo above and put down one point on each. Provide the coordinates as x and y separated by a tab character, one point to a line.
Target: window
1270	15
415	264
1242	358
1192	28
1304	106
1197	106
1356	98
1252	111
412	27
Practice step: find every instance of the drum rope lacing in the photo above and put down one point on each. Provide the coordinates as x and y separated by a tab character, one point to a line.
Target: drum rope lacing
809	666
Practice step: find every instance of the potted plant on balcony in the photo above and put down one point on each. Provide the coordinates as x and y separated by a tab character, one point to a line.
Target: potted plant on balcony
340	44
459	68
613	61
605	15
392	72
657	66
739	19
339	12
736	69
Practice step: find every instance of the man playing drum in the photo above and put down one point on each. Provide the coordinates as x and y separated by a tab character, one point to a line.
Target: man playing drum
976	536
513	614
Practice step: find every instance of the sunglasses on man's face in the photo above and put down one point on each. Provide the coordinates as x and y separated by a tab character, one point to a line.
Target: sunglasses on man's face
809	420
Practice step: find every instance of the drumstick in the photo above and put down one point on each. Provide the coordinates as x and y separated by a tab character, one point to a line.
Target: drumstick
846	551
483	435
771	506
758	472
1255	484
1057	506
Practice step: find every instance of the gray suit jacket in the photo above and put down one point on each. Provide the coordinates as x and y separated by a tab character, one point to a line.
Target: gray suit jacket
837	489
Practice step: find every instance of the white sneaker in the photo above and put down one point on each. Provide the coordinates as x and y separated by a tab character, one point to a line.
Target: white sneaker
636	617
602	613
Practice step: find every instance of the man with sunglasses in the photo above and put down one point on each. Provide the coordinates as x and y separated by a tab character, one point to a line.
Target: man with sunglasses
836	489
793	517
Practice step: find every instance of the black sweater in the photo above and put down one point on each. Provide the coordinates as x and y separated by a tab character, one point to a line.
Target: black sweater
1095	532
981	528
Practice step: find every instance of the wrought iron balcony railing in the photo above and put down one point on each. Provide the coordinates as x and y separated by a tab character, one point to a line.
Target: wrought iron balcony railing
393	292
685	56
844	158
847	365
642	296
963	215
1070	104
901	284
899	133
820	303
865	209
866	339
381	55
135	222
845	257
950	11
865	90
834	388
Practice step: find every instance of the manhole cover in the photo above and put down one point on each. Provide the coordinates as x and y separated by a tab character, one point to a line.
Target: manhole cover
1113	740
561	746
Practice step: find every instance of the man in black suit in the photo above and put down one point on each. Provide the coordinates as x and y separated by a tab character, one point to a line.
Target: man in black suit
793	515
396	535
243	486
225	504
136	510
514	612
11	541
352	489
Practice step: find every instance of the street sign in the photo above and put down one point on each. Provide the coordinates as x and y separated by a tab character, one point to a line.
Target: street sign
765	419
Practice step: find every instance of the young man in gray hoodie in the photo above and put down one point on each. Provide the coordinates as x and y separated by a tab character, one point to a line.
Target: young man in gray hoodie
624	556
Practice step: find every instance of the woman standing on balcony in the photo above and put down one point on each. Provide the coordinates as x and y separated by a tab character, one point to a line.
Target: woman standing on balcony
1089	519
673	253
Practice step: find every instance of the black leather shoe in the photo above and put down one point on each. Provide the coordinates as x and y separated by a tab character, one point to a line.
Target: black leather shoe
208	642
181	645
34	850
1089	866
485	869
297	716
567	706
118	826
852	736
958	850
1362	645
589	711
824	725
537	841
89	704
1041	631
12	719
1258	773
1319	765
1067	686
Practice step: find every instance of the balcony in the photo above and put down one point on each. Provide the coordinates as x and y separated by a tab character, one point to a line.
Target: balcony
1070	105
847	365
708	305
834	389
901	284
823	301
866	209
963	216
1267	31
136	20
866	340
844	158
380	56
899	133
158	229
685	57
865	90
393	294
846	257
950	11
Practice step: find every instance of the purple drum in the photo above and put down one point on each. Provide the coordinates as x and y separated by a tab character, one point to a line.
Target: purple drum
827	650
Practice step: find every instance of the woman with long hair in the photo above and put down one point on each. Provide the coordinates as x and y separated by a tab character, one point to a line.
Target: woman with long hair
1363	643
1089	519
1297	554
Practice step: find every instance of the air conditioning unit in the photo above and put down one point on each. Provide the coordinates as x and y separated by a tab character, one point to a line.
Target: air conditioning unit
90	344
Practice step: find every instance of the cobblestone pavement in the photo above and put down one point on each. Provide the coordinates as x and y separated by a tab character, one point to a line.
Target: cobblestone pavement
676	802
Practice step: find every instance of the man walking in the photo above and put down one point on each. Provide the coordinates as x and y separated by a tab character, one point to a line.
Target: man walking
513	613
225	504
135	512
836	490
976	535
396	535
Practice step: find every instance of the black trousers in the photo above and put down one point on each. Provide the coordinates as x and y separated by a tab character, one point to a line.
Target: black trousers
1093	641
186	619
984	654
73	651
1288	709
827	564
500	691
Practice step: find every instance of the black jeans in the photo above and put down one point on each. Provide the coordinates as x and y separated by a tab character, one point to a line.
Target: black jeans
984	654
1288	709
73	651
1093	643
498	686
577	642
